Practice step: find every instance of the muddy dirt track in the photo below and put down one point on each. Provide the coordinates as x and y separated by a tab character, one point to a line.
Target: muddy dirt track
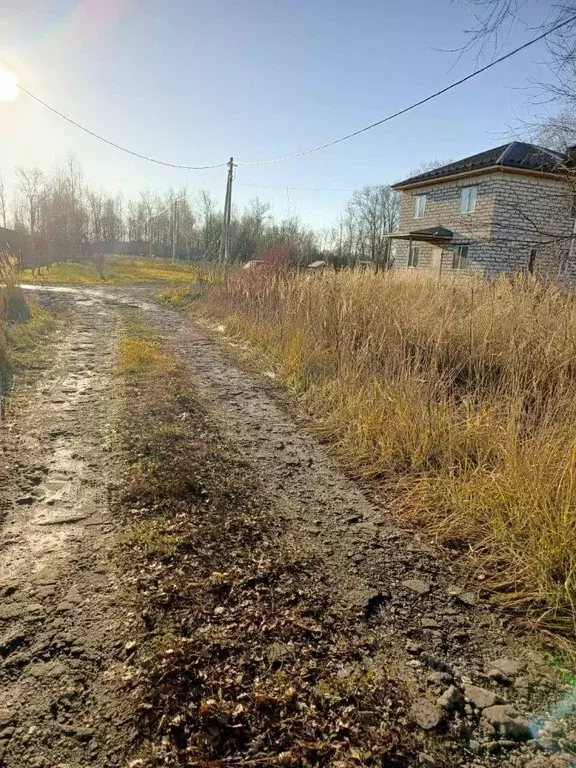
64	621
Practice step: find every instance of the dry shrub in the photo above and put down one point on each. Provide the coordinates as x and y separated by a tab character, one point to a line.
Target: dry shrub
9	299
14	306
461	395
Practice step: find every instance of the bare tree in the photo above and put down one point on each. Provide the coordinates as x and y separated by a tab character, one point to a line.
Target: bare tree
112	220
371	214
96	204
430	165
557	132
209	219
31	185
494	18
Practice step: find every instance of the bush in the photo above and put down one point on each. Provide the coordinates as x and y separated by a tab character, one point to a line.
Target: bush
14	306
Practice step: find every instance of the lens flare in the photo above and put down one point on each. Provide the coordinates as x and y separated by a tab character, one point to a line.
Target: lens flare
8	85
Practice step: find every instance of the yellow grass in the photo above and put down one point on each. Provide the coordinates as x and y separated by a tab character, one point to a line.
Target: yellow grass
117	271
459	396
138	354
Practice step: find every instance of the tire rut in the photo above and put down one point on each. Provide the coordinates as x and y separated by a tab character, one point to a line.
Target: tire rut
61	615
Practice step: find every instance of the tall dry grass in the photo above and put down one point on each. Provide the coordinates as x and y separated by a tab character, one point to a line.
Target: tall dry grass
459	395
8	294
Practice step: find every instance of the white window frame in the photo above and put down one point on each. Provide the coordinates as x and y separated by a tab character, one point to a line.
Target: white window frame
419	206
468	199
457	257
413	249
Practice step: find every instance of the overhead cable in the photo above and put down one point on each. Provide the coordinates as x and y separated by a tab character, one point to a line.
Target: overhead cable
325	145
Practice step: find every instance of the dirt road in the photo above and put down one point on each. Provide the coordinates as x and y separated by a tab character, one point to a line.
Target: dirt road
65	619
60	618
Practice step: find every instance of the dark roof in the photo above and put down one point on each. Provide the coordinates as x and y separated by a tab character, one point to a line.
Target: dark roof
516	154
430	234
435	232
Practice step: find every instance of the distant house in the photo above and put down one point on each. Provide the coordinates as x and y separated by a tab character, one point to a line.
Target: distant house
509	208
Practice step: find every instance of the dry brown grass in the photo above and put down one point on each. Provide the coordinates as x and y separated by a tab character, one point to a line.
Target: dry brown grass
8	294
460	395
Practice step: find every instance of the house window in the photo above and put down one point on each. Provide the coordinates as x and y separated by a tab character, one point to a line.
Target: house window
419	206
468	200
460	257
413	255
532	260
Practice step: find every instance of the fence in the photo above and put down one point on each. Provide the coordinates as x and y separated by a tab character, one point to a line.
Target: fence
36	252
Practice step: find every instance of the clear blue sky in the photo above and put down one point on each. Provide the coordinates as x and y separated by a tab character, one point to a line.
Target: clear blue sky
194	81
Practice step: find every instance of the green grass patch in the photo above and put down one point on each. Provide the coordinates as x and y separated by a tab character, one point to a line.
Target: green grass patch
116	272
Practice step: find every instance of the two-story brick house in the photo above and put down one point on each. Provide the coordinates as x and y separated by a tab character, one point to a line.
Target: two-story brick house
509	208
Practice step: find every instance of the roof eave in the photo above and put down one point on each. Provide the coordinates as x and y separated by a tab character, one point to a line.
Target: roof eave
477	172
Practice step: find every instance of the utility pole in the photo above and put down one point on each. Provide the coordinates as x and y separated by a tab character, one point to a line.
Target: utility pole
224	240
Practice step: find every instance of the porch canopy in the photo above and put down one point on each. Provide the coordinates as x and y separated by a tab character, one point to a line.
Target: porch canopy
434	235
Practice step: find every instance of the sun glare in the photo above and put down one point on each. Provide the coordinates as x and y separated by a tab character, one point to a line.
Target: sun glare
8	85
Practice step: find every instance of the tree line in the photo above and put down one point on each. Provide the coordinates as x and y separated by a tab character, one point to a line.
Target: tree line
66	218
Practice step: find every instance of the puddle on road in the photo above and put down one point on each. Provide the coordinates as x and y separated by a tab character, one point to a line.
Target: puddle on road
88	296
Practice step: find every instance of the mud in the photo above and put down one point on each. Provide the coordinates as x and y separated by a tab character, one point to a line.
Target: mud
61	619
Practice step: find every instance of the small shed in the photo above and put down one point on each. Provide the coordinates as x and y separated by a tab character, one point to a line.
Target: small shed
253	264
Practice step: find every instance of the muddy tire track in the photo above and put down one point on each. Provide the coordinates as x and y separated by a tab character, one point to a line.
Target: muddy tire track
61	615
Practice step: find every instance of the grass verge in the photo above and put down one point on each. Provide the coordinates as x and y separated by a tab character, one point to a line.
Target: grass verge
116	271
25	330
28	342
459	397
243	660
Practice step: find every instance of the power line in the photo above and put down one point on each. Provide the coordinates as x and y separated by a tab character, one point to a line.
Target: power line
417	103
155	215
327	144
113	143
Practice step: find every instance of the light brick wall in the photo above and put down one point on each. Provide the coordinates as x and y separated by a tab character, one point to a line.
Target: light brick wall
513	215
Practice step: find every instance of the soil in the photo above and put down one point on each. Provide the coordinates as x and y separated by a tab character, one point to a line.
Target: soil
61	617
67	612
